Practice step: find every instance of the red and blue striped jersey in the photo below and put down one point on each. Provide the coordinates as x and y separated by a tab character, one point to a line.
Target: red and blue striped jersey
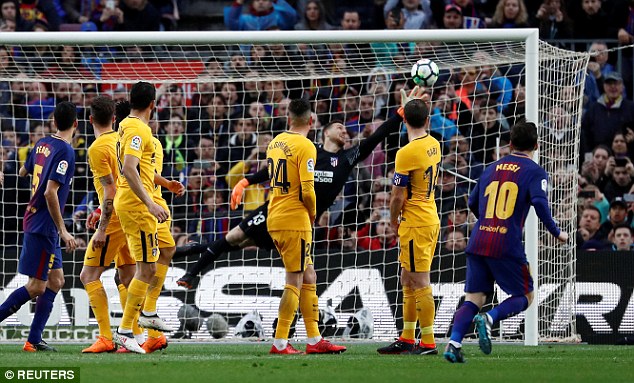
501	201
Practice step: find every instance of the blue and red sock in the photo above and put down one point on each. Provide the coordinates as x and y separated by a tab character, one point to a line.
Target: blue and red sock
43	308
13	302
509	307
462	320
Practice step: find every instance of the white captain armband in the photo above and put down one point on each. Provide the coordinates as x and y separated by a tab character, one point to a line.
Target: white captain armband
400	180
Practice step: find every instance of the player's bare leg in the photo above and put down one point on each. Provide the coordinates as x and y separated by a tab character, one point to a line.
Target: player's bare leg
235	239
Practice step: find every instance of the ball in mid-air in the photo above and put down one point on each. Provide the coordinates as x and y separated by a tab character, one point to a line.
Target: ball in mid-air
425	72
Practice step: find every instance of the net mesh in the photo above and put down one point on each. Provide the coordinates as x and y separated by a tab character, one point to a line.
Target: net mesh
218	105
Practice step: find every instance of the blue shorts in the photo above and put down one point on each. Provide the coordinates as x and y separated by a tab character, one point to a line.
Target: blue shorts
39	255
512	275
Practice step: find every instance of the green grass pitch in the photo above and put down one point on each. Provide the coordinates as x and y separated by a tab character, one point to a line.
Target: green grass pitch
250	362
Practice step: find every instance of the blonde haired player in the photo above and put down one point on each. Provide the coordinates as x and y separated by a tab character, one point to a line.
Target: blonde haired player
414	216
138	213
292	208
109	242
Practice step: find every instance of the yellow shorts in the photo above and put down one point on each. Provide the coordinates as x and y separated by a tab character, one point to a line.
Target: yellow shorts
418	245
294	248
116	248
140	228
165	238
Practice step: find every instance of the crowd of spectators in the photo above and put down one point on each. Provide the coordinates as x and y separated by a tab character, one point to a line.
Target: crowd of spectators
216	132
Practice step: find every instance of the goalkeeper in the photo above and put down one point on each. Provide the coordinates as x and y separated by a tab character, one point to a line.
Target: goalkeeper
332	169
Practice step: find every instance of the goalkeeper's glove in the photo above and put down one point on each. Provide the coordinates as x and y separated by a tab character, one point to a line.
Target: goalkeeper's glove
237	192
418	92
93	219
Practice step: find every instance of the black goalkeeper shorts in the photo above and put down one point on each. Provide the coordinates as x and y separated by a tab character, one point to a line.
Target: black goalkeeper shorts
254	226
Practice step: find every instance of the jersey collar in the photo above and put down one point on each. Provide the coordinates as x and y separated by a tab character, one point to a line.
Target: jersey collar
59	138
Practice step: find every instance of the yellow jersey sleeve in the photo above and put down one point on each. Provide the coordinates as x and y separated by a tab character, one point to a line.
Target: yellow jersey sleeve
99	161
307	155
416	168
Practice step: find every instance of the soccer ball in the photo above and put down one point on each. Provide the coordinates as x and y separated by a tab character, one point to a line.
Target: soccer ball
217	326
425	72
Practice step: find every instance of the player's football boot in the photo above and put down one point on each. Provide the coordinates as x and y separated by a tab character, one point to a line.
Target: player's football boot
483	328
289	350
398	347
101	345
153	322
127	341
154	344
324	347
420	350
42	346
454	354
186	281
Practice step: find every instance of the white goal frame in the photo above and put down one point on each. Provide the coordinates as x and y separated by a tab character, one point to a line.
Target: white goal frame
528	36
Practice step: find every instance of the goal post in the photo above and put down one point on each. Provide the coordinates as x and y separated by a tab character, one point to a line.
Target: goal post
339	71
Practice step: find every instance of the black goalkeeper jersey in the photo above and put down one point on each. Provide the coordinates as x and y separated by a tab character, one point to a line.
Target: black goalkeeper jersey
333	169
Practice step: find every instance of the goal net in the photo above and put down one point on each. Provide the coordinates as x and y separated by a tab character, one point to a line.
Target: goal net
221	97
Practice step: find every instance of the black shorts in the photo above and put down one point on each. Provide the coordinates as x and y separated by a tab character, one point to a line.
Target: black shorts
254	226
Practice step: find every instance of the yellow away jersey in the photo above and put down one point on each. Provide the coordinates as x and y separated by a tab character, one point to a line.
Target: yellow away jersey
157	195
416	168
291	161
102	159
135	139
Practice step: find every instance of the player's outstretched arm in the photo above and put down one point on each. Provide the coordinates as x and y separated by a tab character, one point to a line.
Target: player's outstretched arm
130	164
52	202
366	146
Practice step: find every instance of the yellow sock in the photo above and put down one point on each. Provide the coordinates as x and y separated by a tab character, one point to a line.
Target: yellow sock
99	304
425	309
287	310
156	286
309	306
136	293
409	315
136	330
123	297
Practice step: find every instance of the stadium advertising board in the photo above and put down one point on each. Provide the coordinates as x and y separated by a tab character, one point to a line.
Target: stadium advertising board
243	282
